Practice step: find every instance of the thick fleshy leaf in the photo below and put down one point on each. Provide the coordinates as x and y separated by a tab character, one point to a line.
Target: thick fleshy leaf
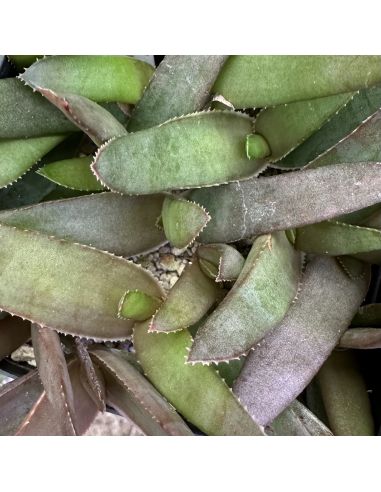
180	85
54	375
13	333
249	81
337	238
261	205
195	150
17	156
297	420
257	302
127	378
72	173
124	225
98	123
188	301
197	392
91	377
221	262
284	363
137	305
24	113
361	338
42	421
16	399
362	145
363	105
368	315
344	395
182	221
100	78
287	126
65	286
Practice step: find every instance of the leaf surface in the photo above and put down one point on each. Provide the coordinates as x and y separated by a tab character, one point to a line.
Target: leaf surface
65	286
284	363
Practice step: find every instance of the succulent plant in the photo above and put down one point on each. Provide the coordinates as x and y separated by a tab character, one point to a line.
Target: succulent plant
268	167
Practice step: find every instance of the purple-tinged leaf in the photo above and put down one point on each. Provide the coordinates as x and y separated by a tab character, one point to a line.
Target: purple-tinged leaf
361	338
123	225
54	375
261	205
123	377
286	360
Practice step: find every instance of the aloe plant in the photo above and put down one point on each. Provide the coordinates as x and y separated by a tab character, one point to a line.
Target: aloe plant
265	171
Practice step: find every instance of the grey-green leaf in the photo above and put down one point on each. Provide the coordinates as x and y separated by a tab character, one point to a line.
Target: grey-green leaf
24	113
180	85
258	301
252	81
19	155
124	225
280	368
195	150
261	205
65	286
363	105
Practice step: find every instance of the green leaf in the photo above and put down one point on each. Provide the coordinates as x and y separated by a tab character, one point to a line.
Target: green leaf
256	304
137	305
72	173
180	85
17	156
197	392
98	123
362	145
100	78
363	104
283	364
257	147
345	397
124	225
182	221
337	238
287	126
221	262
257	81
13	333
54	375
361	338
24	113
261	205
65	286
123	377
189	299
297	420
194	150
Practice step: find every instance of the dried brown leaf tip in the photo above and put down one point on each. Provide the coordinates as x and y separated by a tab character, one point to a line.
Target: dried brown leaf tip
194	248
